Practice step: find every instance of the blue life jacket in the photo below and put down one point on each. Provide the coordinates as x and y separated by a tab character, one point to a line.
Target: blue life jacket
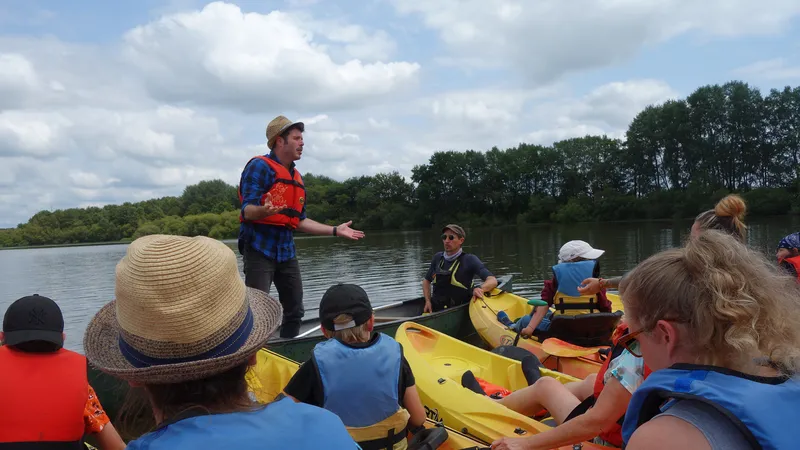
360	385
571	275
281	424
763	408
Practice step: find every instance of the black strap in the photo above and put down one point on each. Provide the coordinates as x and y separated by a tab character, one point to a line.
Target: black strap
292	182
384	443
563	307
289	212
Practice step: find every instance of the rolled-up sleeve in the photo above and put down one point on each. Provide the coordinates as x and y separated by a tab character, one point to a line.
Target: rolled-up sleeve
256	176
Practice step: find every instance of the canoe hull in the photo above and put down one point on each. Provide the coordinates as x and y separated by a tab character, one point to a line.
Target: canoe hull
452	321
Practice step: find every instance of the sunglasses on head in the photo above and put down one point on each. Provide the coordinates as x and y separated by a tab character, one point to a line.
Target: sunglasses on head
448	237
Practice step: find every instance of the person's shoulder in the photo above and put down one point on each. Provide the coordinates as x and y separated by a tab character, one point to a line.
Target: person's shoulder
667	432
437	256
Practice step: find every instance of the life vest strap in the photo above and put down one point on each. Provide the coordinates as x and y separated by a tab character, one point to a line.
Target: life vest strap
289	212
392	430
386	443
292	182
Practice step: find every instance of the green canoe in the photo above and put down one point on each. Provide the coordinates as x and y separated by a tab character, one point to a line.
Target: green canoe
114	393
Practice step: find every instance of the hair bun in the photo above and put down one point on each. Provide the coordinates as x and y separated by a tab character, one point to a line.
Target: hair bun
731	206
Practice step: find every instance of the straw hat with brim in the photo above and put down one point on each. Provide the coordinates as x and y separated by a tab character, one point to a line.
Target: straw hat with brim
182	312
277	126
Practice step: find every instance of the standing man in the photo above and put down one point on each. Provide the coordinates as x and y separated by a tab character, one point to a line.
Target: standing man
273	201
451	274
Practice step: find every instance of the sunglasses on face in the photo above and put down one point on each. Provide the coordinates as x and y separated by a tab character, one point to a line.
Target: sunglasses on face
448	237
627	342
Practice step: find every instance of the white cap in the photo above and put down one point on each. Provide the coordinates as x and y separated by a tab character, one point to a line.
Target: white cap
578	249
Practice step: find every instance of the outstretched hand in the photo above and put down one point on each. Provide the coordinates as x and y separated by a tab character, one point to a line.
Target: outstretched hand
269	208
590	286
344	230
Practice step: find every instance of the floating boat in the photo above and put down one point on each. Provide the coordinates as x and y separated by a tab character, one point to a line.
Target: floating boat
439	361
451	321
574	344
272	373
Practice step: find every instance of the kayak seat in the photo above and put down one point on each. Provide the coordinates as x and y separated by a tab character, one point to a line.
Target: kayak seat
428	439
585	330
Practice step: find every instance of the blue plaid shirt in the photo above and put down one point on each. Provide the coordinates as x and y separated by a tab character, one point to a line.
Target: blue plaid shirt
275	242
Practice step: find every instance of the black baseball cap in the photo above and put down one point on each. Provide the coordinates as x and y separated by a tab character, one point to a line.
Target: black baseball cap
344	299
34	318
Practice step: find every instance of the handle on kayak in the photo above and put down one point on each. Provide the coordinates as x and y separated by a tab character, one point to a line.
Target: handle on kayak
537	302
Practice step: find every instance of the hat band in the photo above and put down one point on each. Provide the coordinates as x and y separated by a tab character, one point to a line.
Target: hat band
227	347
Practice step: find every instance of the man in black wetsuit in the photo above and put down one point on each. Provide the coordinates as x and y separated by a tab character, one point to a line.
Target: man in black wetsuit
451	274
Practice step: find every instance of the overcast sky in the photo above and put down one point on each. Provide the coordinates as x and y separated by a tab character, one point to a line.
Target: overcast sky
101	105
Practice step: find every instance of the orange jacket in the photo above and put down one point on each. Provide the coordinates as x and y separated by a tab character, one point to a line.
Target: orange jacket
43	397
287	191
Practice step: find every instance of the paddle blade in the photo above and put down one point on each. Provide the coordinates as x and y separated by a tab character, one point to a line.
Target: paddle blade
563	349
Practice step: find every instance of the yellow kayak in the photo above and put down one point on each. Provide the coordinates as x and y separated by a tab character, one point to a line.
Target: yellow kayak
565	357
438	362
272	373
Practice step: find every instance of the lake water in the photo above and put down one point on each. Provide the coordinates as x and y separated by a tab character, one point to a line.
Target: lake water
388	265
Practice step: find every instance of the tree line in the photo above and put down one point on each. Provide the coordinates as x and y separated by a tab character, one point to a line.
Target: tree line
676	160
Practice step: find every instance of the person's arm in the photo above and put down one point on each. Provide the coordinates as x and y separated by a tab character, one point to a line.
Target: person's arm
667	433
426	286
304	384
610	406
489	280
413	405
257	178
343	230
109	439
97	424
592	286
536	319
426	292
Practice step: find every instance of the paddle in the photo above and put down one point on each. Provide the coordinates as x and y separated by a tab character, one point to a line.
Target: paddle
535	302
559	348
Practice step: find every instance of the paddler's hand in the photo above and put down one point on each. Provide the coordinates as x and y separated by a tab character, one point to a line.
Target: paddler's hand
590	286
507	443
345	231
269	208
477	293
428	307
526	332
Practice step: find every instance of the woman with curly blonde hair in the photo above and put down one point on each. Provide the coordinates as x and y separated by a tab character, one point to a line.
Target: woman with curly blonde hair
719	325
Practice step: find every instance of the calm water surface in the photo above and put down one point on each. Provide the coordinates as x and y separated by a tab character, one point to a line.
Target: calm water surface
388	265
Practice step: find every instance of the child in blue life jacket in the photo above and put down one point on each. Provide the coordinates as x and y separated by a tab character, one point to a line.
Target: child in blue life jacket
577	260
359	375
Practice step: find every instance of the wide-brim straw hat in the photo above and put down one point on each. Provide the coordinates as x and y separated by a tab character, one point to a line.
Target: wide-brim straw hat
182	312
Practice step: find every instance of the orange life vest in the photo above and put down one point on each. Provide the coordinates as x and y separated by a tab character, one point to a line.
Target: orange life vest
287	192
613	434
795	262
43	397
493	389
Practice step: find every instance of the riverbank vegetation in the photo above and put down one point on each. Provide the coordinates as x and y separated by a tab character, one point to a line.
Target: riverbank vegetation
677	159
